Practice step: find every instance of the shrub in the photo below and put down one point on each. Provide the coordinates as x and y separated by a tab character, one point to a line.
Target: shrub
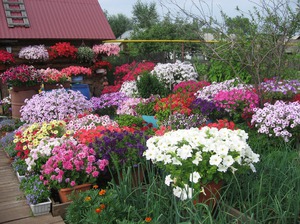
85	54
126	120
148	84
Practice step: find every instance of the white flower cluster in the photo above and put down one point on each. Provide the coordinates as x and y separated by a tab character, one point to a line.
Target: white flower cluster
129	88
35	52
187	150
174	73
44	149
208	92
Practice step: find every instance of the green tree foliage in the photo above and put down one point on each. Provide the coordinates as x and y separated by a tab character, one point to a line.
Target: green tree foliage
119	23
145	15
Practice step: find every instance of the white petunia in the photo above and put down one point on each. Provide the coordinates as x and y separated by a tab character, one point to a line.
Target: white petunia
215	160
194	177
168	180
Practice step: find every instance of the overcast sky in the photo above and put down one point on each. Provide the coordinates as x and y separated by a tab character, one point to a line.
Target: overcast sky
114	7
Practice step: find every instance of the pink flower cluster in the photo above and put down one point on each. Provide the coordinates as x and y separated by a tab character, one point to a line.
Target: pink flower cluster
71	165
106	49
237	100
77	70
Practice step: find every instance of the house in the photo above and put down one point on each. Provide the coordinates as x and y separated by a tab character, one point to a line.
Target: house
35	22
32	22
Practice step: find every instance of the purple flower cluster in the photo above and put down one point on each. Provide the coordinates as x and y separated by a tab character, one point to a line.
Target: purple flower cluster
208	109
54	105
108	100
121	148
280	120
278	90
183	121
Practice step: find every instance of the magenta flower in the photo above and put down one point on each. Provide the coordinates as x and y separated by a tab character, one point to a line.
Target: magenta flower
74	164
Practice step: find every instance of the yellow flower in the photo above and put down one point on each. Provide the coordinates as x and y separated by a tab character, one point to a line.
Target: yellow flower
15	140
24	147
55	132
88	198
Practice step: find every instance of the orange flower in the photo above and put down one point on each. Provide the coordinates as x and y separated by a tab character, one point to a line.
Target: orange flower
102	192
102	206
148	219
98	210
95	186
88	198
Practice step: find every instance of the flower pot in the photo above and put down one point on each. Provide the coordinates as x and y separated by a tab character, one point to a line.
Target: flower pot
83	88
50	86
41	208
101	71
77	79
18	99
211	194
20	177
65	193
150	120
26	88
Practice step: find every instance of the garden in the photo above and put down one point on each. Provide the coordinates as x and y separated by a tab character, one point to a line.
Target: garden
158	145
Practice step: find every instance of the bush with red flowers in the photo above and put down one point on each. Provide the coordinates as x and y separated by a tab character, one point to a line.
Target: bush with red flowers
6	57
62	50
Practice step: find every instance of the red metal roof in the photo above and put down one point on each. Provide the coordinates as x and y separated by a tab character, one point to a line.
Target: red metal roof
59	19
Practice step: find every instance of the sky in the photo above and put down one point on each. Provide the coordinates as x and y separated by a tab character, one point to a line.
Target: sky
114	7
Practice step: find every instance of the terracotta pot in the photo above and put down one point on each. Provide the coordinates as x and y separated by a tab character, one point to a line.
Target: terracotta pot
18	99
211	194
26	88
50	86
64	193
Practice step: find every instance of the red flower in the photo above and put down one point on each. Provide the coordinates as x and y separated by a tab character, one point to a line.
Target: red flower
6	57
62	50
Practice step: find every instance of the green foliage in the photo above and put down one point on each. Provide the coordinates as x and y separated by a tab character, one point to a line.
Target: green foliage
129	120
145	15
146	108
19	165
148	85
119	24
85	54
10	150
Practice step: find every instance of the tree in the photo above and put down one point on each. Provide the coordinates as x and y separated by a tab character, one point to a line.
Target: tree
145	15
119	23
260	51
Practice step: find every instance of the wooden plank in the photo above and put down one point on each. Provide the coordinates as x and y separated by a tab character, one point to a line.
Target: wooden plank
59	209
14	214
45	219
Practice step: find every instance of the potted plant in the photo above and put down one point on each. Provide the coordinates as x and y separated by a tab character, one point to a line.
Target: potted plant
281	119
21	77
37	195
54	105
171	74
101	67
53	79
85	55
62	50
106	49
6	58
146	109
194	158
107	104
34	53
20	167
71	167
123	148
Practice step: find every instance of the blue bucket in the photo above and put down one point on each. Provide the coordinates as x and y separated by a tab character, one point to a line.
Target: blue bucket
83	88
150	119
